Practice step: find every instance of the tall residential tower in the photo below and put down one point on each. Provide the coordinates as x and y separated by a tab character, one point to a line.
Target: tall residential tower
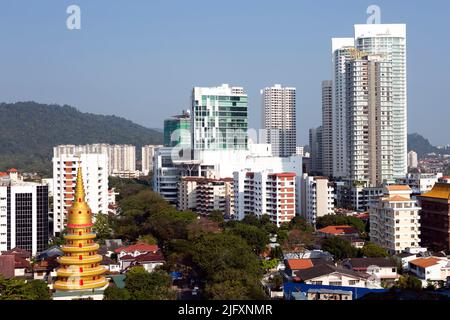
279	119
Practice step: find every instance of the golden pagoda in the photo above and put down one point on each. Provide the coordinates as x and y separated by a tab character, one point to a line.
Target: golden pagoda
80	267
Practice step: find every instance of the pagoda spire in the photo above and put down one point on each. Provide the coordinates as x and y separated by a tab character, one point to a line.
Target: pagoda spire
80	267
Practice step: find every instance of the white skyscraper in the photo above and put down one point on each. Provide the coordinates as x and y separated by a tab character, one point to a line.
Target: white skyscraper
412	160
327	128
389	41
372	146
121	157
148	153
341	48
95	179
279	119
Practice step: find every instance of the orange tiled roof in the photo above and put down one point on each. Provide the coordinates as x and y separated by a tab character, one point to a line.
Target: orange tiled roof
398	188
397	199
299	264
338	230
425	262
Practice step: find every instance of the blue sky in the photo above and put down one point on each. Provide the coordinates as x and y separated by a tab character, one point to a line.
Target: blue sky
140	59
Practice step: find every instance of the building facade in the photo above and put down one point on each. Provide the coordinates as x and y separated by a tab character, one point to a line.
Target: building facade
121	158
370	103
327	128
177	130
279	119
265	193
317	198
206	195
413	162
24	218
316	150
435	217
219	118
148	152
95	177
395	221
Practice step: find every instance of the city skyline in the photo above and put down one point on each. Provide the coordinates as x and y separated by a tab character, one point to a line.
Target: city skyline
106	68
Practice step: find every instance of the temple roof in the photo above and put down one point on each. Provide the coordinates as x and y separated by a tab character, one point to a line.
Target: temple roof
439	191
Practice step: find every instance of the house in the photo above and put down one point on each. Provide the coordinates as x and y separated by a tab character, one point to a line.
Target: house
24	254
404	259
111	265
149	261
382	268
334	231
136	250
433	269
326	274
45	268
327	294
7	266
293	265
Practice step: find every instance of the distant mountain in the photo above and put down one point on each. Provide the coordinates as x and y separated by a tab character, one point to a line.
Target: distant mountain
421	145
29	131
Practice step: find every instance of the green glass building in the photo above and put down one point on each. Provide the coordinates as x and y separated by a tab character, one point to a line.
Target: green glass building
219	118
177	130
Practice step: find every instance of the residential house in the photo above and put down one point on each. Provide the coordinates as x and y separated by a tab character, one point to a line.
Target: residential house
326	274
136	250
430	269
334	231
382	269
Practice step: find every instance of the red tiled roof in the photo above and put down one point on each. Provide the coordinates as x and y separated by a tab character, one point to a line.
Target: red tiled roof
150	257
21	263
3	174
7	266
425	262
18	252
127	257
141	247
336	230
13	170
299	264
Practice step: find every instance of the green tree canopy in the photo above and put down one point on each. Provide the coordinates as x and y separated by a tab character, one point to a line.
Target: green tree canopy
339	248
340	220
372	250
143	285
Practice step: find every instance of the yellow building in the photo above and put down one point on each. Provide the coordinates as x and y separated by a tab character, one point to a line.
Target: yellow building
80	268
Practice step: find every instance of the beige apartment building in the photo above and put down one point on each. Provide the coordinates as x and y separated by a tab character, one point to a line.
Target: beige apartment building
394	220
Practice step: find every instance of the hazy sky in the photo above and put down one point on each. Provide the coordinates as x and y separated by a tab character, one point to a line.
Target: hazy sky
140	59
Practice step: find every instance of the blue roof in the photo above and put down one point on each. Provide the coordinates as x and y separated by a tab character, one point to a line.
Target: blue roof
290	288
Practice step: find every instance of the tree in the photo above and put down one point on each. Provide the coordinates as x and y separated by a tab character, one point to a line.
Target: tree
340	220
339	248
148	239
300	223
257	238
269	264
408	282
216	216
143	285
102	227
372	250
299	239
18	289
38	290
114	293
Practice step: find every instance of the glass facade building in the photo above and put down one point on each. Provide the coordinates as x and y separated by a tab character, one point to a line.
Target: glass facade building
219	118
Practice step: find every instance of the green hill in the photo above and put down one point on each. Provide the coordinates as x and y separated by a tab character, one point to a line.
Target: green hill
30	130
421	145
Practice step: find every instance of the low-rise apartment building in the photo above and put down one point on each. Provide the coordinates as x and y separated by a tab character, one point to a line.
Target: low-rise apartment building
394	220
